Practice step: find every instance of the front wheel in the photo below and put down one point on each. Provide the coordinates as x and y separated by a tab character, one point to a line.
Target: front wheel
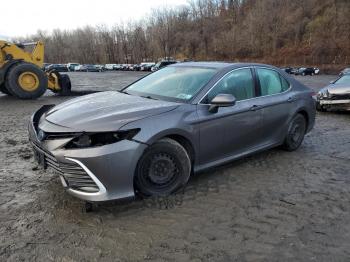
163	168
296	133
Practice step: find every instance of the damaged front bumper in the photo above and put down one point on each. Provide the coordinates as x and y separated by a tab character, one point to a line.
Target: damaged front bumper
341	104
92	174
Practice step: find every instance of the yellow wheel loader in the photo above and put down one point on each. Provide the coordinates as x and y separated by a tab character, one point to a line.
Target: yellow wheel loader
21	73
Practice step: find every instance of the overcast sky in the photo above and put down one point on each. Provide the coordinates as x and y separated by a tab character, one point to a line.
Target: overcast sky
29	16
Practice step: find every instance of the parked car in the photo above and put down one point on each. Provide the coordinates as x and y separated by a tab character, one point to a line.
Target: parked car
294	71
147	66
307	71
162	64
57	67
137	67
45	66
71	66
345	71
149	137
110	66
100	68
335	96
288	70
117	67
89	68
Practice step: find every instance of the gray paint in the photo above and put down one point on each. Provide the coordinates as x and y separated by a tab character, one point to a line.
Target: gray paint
232	132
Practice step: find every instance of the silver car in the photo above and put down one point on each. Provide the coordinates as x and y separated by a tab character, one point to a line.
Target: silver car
335	96
150	137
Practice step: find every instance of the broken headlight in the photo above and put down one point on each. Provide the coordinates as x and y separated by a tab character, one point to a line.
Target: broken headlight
85	140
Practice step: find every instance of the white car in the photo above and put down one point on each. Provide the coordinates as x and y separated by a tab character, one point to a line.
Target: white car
110	66
72	67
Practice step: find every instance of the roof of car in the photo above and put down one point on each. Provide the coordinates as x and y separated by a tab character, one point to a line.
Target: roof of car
217	65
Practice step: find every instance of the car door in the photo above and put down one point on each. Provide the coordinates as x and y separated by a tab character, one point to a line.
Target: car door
231	130
277	101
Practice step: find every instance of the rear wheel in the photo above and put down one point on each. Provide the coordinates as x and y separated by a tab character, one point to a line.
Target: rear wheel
26	81
163	168
296	133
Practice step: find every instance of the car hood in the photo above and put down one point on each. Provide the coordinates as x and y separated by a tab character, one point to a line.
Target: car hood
104	111
337	89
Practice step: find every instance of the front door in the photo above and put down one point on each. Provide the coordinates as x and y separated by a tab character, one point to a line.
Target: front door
231	131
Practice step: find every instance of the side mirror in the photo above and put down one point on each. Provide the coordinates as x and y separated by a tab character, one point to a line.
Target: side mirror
221	100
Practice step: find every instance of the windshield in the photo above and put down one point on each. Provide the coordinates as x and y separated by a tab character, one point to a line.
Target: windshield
343	80
176	83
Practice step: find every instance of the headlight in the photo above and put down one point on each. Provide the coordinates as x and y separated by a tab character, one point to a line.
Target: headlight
100	139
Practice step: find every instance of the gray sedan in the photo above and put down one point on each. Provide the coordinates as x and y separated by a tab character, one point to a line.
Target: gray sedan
151	136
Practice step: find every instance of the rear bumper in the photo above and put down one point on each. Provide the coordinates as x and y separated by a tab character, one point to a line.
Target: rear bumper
92	174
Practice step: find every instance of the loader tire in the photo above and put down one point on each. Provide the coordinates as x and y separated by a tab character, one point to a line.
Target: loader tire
26	81
65	85
64	82
4	90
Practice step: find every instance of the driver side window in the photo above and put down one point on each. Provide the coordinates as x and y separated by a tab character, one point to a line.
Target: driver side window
239	83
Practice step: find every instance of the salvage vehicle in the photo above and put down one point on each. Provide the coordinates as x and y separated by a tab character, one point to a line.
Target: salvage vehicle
152	135
335	96
57	67
307	71
147	66
288	70
110	66
88	68
162	64
72	67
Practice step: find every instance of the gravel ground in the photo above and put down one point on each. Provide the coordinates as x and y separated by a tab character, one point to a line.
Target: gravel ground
274	206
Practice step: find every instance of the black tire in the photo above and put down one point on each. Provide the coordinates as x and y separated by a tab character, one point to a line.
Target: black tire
163	168
4	90
296	133
12	81
64	82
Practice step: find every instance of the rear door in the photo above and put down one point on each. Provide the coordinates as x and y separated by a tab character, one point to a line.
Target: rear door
277	100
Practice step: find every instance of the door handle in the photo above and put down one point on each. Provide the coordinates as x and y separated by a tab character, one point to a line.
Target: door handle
255	107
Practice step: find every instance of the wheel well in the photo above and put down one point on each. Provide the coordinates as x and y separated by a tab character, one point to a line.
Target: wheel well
185	143
306	116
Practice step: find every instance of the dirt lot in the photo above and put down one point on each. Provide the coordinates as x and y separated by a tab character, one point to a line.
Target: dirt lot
274	206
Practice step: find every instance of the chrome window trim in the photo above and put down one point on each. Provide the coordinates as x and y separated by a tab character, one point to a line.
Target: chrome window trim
272	69
248	67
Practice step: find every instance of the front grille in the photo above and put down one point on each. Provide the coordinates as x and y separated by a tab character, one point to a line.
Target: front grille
74	175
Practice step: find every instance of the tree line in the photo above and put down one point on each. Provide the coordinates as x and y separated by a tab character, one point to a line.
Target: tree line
272	31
